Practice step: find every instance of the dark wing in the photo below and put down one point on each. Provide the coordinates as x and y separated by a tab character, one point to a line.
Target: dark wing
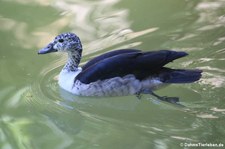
137	63
107	55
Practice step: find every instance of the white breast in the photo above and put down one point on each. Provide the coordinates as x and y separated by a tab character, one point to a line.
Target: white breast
66	79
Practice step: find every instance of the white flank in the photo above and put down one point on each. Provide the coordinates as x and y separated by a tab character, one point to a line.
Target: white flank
117	86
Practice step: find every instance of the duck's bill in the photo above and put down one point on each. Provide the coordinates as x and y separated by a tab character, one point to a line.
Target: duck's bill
48	49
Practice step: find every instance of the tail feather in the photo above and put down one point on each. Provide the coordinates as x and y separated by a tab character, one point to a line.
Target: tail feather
180	75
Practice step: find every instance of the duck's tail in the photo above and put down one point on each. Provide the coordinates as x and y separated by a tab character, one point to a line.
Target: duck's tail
180	75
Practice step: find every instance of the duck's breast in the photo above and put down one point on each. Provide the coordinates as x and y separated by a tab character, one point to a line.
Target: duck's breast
66	79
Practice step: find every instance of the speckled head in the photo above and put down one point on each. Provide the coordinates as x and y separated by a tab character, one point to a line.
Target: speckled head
65	42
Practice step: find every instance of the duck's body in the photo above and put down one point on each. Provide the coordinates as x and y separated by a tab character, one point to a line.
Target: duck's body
117	73
116	86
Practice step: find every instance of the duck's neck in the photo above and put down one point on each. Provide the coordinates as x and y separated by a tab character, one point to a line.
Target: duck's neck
73	61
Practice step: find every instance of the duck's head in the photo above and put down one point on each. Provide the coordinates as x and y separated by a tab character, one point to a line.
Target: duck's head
65	42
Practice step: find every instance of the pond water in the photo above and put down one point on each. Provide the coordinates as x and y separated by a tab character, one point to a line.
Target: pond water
37	114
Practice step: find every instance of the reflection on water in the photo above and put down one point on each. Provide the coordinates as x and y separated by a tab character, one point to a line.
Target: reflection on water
36	113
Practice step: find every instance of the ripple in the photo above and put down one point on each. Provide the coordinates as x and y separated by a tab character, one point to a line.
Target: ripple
207	116
217	109
44	99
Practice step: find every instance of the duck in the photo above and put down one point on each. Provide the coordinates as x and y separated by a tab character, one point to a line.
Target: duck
120	72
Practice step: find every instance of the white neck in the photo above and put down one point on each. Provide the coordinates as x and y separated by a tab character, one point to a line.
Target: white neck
70	70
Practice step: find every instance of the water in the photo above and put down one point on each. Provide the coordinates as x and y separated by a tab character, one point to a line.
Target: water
35	113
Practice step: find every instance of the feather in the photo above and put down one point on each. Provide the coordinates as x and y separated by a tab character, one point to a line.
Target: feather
168	75
139	63
107	55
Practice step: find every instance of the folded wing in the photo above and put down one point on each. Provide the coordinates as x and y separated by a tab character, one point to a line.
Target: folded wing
107	55
140	64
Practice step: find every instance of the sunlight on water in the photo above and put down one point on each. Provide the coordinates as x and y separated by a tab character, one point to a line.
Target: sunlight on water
36	113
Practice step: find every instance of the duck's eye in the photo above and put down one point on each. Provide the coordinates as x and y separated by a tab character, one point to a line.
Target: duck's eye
61	40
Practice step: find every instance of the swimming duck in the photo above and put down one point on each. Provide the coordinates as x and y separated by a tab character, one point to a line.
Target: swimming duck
117	73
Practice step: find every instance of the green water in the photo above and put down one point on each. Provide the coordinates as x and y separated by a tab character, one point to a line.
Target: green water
36	114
